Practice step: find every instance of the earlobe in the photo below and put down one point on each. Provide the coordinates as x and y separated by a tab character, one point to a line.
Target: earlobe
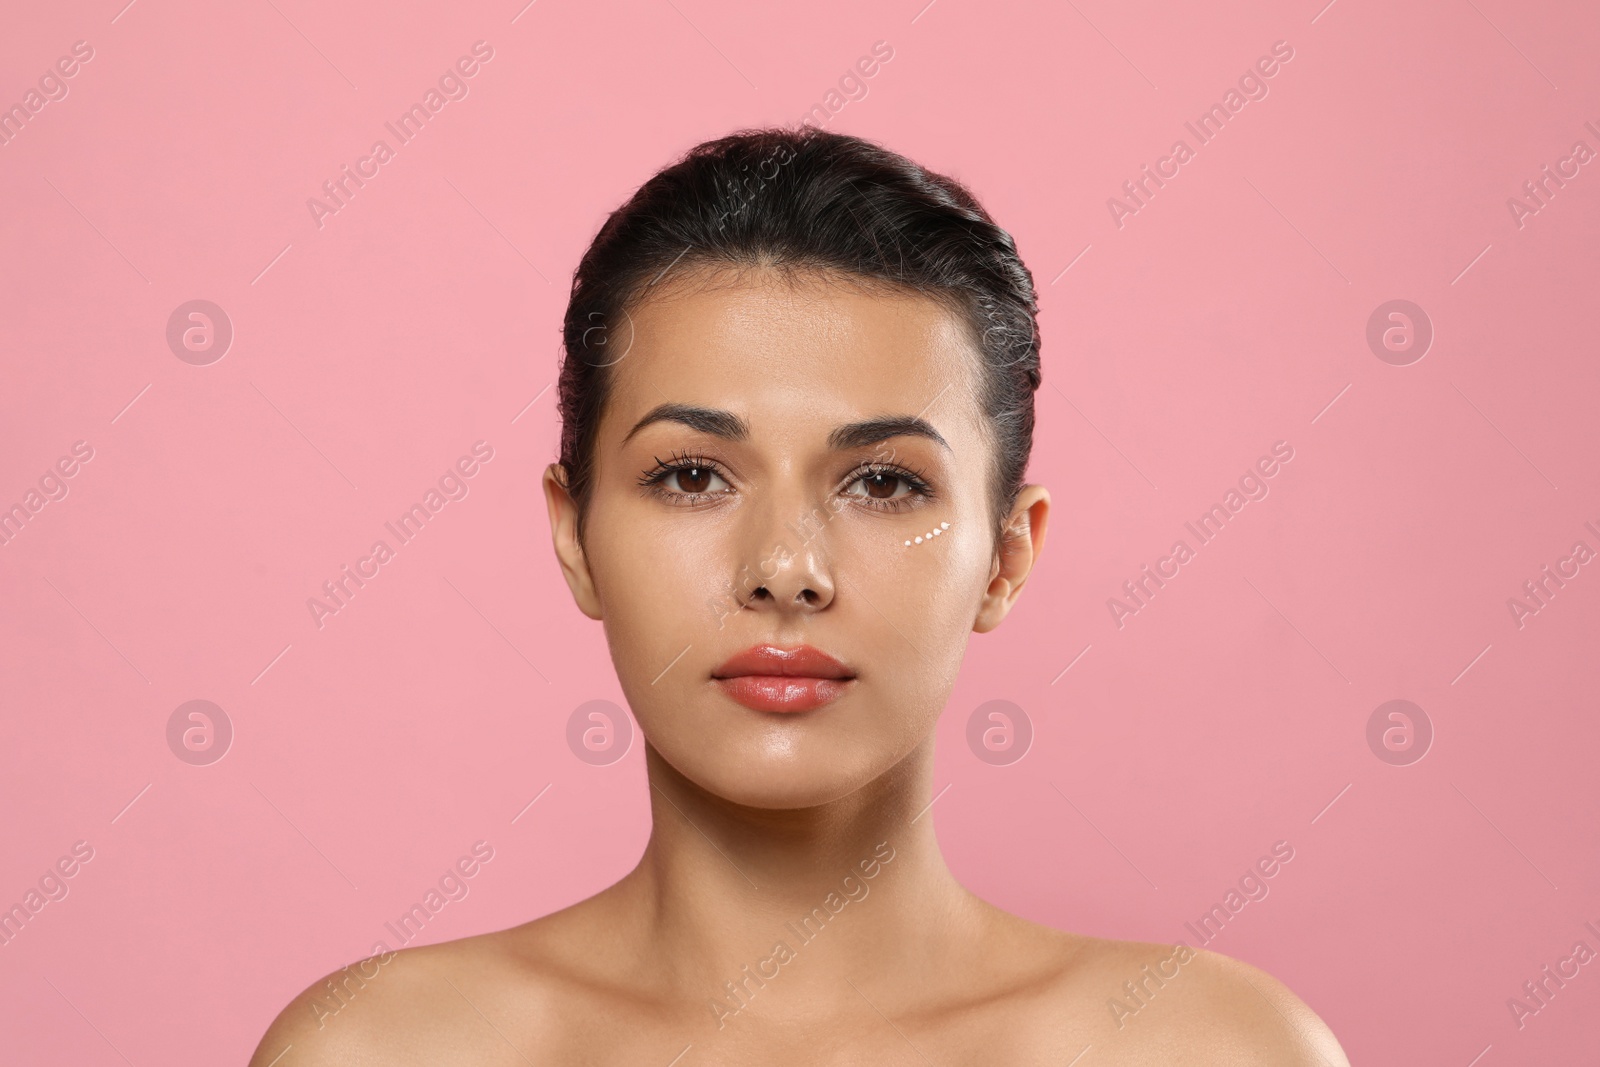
1018	551
569	551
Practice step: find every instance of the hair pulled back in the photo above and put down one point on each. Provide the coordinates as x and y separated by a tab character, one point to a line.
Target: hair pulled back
806	200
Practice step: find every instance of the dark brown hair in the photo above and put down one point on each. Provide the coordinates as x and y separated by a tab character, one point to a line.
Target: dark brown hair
799	200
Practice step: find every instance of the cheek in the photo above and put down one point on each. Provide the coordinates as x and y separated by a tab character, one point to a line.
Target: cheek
918	601
933	586
935	559
659	590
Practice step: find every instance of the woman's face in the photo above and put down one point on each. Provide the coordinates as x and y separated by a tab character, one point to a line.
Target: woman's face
768	449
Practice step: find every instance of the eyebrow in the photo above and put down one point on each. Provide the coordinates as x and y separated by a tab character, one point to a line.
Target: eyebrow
730	427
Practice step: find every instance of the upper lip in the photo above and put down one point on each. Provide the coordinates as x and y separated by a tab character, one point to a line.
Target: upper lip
802	661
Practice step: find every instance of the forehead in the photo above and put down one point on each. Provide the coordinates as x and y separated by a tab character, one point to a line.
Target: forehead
813	346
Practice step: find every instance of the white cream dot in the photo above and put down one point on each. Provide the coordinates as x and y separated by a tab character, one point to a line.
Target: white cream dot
919	540
936	533
944	526
908	544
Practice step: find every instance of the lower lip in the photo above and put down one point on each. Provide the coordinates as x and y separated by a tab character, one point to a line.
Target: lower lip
766	692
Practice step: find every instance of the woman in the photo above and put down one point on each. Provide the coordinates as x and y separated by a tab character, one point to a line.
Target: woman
797	407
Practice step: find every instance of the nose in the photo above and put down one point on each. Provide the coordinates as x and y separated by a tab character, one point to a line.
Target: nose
792	574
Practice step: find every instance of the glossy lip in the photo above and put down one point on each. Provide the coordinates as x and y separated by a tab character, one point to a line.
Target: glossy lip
769	678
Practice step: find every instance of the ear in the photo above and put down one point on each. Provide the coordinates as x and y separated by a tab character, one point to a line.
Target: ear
1018	551
564	532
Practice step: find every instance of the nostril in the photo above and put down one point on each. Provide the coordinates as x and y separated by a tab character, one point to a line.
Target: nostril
806	595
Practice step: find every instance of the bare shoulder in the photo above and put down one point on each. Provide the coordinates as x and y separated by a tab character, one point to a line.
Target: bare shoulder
1160	1003
473	1000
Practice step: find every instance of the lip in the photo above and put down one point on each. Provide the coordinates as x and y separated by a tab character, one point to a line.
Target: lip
769	678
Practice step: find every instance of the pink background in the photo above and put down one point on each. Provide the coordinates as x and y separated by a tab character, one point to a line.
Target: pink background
1229	313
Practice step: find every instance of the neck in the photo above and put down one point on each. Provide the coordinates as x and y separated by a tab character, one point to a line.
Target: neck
724	891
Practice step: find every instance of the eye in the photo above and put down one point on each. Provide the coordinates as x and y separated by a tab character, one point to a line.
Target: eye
881	485
684	480
888	487
694	480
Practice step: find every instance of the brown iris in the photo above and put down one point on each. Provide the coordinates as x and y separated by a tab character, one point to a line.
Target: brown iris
699	476
881	485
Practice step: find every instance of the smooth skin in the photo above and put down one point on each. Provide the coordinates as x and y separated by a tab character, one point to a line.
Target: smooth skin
760	530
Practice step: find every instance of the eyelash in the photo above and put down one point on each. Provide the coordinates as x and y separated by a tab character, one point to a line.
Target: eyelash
652	482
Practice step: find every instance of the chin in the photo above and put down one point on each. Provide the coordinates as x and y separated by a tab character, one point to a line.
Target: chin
802	789
773	774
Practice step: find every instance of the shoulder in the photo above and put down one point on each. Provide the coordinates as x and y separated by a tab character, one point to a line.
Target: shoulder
473	1000
1160	1003
1254	1011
